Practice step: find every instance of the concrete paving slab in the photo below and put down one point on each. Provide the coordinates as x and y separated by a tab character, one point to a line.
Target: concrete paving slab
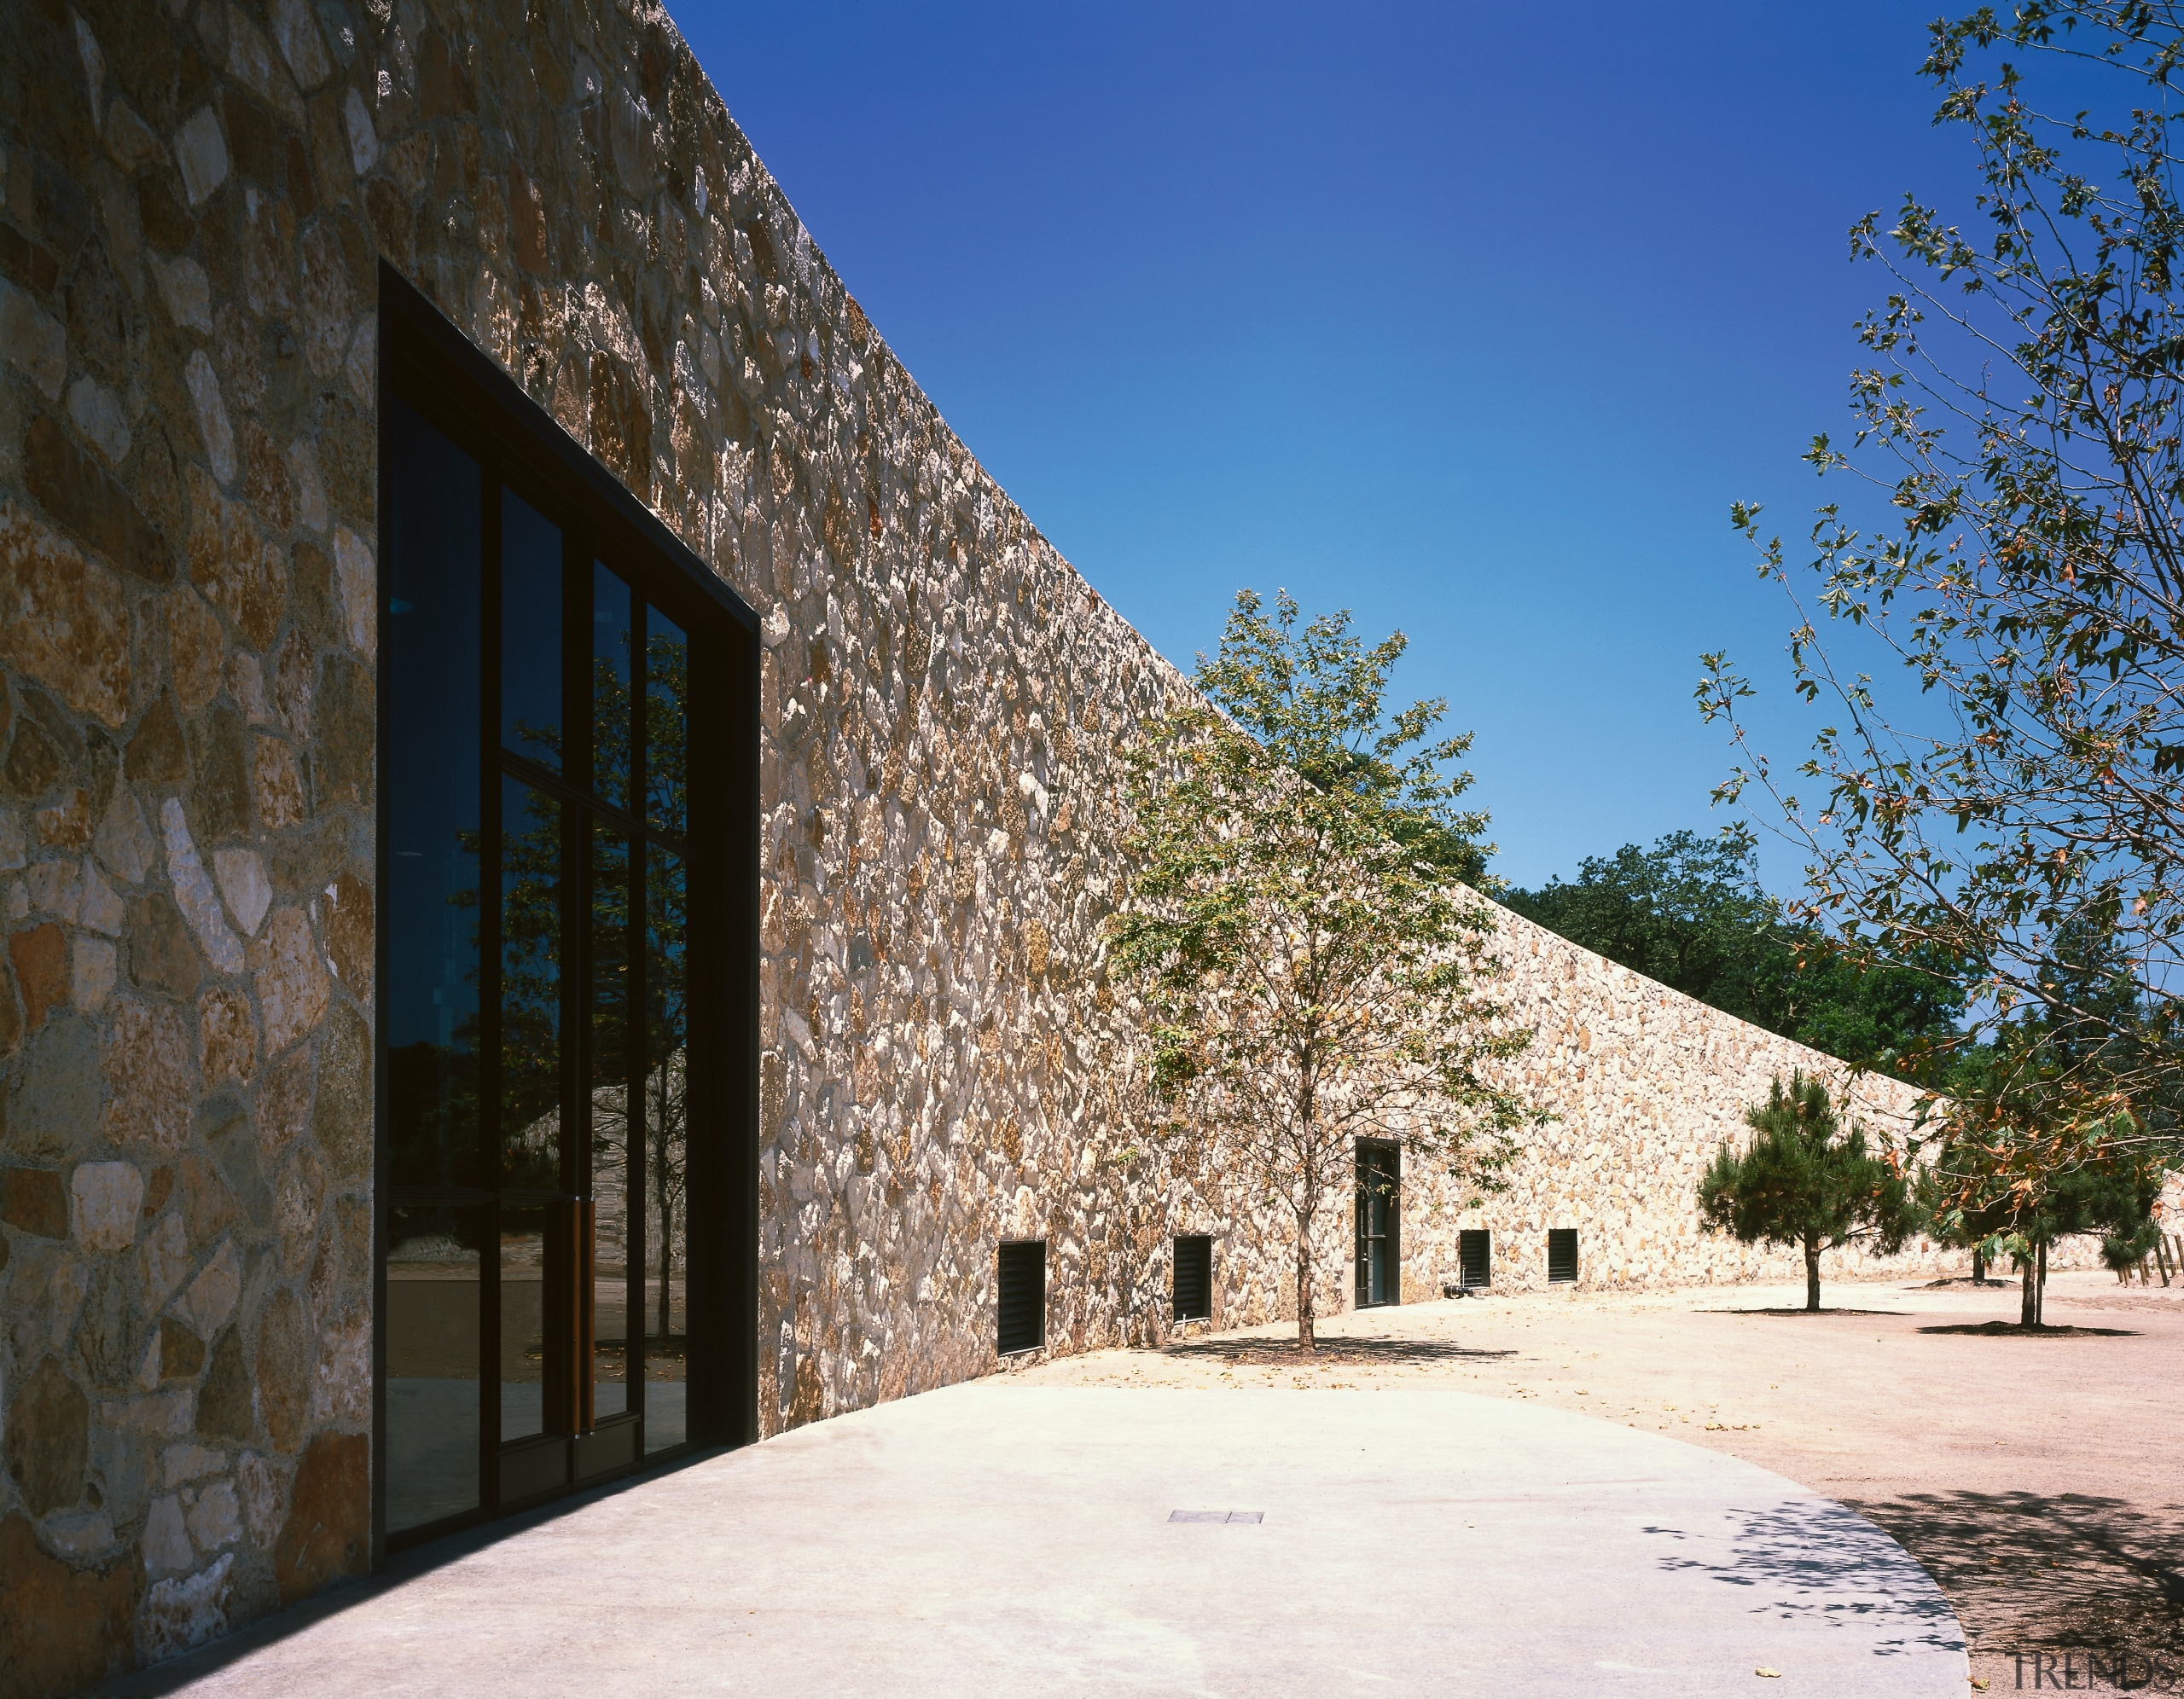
1004	1539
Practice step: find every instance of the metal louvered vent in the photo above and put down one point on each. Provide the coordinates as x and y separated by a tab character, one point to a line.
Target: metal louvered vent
1475	1256
1023	1296
1193	1277
1561	1254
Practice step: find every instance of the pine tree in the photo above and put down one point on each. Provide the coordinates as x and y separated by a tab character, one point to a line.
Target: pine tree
1805	1181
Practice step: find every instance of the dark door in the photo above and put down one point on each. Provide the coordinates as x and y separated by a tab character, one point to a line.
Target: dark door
1379	1224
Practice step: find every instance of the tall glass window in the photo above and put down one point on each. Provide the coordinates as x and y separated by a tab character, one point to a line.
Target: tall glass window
437	1229
536	779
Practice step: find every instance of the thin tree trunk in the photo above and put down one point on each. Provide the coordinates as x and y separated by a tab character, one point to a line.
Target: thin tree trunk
666	1271
1305	1343
1978	1267
666	1216
1812	1273
2040	1289
2028	1305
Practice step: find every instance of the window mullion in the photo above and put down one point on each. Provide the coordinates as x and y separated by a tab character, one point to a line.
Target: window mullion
489	1132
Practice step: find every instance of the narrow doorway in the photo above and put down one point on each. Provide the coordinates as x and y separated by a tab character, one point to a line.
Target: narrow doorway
1379	1223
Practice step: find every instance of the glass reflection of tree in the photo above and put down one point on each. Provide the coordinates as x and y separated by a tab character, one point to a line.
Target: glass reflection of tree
530	956
663	1087
432	1109
531	987
531	937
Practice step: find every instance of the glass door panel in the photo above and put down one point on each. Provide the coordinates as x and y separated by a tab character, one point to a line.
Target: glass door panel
612	634
664	1118
610	1282
616	1162
667	725
533	1165
524	1346
431	824
531	663
430	811
533	925
432	1295
1377	1216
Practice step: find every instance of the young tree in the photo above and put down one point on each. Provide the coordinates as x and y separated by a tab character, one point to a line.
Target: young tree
2010	1175
1314	966
2110	1198
2024	418
1803	1181
2016	1163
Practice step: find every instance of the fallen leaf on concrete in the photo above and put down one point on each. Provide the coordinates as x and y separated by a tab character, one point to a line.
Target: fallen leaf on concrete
1763	1670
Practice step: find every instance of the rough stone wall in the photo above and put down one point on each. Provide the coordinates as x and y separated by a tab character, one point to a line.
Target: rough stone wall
1644	1084
186	794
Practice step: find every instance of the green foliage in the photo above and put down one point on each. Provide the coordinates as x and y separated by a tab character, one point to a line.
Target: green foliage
2044	1129
2003	1182
2013	1169
1804	1181
2123	1250
1690	912
1687	913
1314	966
2022	419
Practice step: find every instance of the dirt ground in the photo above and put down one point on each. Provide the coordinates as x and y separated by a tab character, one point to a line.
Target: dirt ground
2039	1479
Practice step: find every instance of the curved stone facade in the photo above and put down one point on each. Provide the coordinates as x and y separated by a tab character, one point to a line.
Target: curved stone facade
195	198
1644	1084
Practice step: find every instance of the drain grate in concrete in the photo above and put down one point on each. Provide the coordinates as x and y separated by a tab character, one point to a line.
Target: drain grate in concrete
1217	1515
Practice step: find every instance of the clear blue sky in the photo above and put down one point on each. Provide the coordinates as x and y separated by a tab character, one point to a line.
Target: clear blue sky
1474	319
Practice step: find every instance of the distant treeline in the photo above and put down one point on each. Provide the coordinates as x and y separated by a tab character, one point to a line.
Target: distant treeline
1690	912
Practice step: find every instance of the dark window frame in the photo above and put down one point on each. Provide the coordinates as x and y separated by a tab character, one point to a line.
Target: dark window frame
1382	1159
1002	1347
1201	1249
1483	1239
436	371
1559	1239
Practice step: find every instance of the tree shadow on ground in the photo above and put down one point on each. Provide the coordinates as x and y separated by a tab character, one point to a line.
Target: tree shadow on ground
2002	1329
1346	1351
1812	1560
2033	1573
1826	1310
